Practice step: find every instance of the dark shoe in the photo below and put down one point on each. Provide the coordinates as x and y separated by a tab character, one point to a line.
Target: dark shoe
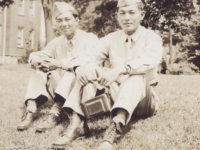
112	134
50	122
74	131
26	121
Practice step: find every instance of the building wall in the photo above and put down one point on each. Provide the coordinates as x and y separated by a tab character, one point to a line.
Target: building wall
15	20
1	34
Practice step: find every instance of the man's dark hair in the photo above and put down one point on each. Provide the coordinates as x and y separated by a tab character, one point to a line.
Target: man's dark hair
140	6
75	14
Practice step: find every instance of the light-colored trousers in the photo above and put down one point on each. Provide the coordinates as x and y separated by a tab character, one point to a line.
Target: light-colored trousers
133	94
47	84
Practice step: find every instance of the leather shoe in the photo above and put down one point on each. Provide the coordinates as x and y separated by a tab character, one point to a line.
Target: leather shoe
49	123
26	121
74	131
112	134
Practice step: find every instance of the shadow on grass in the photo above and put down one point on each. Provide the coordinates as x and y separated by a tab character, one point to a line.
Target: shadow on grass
97	125
43	111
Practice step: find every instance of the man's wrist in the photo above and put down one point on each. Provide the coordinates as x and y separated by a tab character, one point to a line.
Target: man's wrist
121	70
128	69
59	64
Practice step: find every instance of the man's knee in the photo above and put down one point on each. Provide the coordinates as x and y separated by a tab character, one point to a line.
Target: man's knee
68	75
134	80
67	78
90	67
37	76
89	91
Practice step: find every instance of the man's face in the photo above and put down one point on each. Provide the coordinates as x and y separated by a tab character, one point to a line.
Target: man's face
129	18
67	23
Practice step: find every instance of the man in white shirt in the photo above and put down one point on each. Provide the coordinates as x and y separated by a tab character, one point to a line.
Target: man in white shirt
51	64
134	54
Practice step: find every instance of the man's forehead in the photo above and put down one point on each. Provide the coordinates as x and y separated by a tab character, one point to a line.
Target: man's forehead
133	7
67	14
122	3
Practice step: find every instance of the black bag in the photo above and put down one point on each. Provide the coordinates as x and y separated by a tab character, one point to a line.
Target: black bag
99	105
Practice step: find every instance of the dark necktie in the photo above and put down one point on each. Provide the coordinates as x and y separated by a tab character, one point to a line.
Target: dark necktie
128	47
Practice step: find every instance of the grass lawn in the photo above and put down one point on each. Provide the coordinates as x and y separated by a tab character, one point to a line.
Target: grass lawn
175	127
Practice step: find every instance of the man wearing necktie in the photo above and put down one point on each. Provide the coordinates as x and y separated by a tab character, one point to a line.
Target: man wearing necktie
51	64
134	54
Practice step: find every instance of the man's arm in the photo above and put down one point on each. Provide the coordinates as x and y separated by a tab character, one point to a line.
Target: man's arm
96	52
86	66
36	58
150	59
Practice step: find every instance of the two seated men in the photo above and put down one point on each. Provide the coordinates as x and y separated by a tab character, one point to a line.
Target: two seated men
68	70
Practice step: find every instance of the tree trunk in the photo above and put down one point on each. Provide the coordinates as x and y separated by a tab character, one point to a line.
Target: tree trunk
47	8
170	45
49	30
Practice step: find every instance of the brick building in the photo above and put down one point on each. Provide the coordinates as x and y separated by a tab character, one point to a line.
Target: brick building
18	23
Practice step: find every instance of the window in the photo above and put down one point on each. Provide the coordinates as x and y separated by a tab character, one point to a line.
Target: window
20	37
32	38
0	34
32	8
21	7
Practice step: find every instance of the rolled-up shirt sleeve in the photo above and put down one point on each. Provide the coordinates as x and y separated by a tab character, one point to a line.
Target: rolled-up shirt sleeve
47	52
65	63
150	59
100	52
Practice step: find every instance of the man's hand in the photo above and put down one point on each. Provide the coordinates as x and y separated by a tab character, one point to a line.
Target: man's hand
36	62
111	75
87	73
51	64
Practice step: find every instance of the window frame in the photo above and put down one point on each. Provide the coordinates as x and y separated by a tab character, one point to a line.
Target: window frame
32	8
32	34
22	7
22	37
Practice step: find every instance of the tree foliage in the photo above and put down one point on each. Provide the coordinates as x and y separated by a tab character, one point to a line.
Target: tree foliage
4	3
105	21
163	13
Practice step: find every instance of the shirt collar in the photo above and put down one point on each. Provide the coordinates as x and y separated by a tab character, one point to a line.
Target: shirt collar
133	36
75	38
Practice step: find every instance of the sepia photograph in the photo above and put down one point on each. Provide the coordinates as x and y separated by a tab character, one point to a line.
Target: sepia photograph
99	74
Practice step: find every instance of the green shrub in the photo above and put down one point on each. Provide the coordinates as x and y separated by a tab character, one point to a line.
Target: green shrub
183	68
28	50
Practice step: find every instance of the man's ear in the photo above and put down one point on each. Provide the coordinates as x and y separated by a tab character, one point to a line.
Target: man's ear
116	15
77	19
143	15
